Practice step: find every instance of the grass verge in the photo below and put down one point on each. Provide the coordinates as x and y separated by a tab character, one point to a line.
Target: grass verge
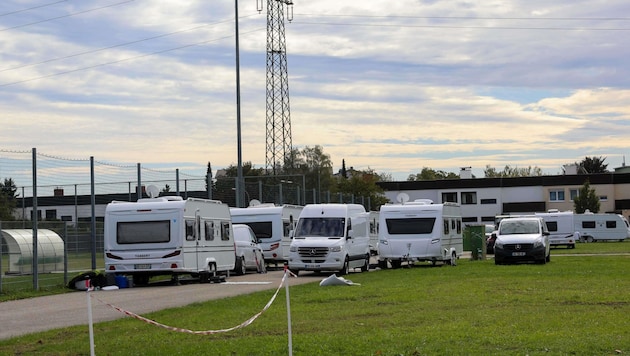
573	305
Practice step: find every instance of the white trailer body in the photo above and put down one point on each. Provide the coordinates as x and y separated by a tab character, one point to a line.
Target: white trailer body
272	226
602	227
168	235
420	231
331	237
374	225
561	226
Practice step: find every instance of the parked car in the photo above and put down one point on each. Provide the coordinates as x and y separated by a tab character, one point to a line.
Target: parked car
522	239
490	239
249	254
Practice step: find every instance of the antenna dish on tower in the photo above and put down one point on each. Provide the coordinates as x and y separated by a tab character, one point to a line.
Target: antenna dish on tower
402	198
153	191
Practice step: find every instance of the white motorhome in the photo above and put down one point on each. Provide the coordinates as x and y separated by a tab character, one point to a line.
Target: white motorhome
373	218
168	236
602	227
420	231
272	225
561	227
331	237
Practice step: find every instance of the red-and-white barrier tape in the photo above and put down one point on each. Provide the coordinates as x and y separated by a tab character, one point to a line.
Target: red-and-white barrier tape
201	332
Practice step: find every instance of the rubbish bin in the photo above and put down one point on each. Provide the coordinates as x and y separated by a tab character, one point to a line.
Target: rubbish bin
475	241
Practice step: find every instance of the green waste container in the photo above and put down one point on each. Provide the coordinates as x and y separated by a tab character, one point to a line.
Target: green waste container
475	241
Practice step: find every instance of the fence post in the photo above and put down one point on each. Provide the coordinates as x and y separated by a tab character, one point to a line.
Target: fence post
34	262
139	187
65	253
1	251
93	203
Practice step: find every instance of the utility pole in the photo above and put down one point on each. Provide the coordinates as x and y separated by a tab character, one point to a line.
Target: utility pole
278	116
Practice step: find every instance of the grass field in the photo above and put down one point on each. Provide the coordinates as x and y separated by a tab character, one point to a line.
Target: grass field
575	305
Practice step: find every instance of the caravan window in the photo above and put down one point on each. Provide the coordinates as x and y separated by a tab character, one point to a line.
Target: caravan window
410	226
446	229
459	226
262	229
588	224
209	230
142	232
225	231
190	230
286	228
611	224
552	226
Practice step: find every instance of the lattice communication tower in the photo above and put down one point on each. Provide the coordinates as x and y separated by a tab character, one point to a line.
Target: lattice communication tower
278	114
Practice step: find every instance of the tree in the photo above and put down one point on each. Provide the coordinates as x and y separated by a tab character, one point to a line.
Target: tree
363	184
591	165
431	174
586	199
344	172
8	199
508	171
248	170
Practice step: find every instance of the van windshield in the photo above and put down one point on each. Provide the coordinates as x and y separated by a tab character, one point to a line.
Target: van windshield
328	227
510	227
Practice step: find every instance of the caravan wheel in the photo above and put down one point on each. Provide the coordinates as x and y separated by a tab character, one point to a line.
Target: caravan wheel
366	265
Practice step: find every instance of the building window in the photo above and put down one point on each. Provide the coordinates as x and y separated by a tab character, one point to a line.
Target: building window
488	219
469	219
556	195
603	197
469	198
449	197
573	193
488	201
51	214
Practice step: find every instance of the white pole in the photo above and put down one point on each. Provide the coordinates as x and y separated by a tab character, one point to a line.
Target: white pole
286	288
89	303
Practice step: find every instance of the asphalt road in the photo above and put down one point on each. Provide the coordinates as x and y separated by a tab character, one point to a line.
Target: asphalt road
32	315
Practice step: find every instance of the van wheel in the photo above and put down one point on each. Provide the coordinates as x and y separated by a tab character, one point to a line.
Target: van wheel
548	259
239	266
366	266
396	264
346	267
382	264
589	239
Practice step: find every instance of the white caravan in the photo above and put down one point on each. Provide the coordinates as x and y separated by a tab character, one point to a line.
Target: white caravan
373	218
168	236
561	227
602	227
272	225
420	231
331	237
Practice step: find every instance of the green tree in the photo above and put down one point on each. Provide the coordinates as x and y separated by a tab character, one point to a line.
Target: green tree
591	165
431	174
586	199
363	184
8	199
248	170
509	171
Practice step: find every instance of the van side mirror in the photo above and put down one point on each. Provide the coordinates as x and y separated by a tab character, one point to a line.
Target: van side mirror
350	234
546	233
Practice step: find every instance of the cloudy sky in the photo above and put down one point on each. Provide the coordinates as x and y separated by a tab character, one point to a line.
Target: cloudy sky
394	86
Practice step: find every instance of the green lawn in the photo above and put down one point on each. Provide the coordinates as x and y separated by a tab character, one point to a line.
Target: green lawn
571	306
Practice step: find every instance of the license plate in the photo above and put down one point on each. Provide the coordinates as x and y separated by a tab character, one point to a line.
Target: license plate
312	266
518	253
143	266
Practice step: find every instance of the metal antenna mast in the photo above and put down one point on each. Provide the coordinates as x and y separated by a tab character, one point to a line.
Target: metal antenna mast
278	115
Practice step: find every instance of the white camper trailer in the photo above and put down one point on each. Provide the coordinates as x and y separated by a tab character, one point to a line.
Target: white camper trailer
419	231
168	235
272	225
331	237
601	227
561	227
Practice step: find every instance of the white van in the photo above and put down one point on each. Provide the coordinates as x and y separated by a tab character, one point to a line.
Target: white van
419	231
602	227
374	224
331	237
272	225
168	235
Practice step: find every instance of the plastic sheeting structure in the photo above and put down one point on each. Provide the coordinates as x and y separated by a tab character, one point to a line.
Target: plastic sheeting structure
19	242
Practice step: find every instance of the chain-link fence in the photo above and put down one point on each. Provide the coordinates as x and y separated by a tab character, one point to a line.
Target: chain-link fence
69	197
